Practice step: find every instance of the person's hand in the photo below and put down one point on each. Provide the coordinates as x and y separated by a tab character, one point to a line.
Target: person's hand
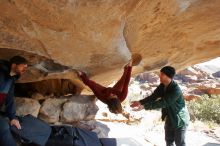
135	104
130	62
15	123
139	108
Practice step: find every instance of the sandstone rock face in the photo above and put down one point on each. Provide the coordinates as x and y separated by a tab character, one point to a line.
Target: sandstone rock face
210	91
79	108
151	78
57	87
38	96
192	75
99	37
191	97
25	106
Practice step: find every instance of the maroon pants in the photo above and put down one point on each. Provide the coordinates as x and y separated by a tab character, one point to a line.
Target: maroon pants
120	89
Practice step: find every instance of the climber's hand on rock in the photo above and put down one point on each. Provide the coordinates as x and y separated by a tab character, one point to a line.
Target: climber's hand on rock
129	63
79	73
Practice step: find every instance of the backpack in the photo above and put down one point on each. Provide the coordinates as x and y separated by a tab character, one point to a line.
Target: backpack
65	135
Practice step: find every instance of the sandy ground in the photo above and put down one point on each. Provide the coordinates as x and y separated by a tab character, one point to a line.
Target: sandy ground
149	131
139	136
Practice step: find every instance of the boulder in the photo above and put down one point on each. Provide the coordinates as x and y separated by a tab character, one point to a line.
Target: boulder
51	109
25	106
212	91
79	108
191	97
197	92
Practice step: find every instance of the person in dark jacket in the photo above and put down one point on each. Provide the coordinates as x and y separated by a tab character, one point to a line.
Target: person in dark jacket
169	97
112	96
10	71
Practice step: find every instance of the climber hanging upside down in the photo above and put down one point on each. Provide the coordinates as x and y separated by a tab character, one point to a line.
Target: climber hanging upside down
112	96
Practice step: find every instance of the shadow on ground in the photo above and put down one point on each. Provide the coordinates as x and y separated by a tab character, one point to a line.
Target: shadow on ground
120	142
211	144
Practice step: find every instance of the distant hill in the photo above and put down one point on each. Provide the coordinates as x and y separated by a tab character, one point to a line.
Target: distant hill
211	67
